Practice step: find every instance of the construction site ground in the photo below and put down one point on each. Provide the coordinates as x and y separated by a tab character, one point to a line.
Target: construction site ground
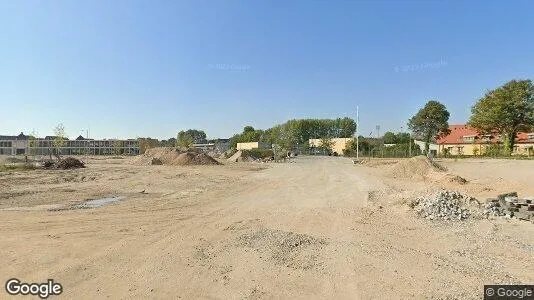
319	227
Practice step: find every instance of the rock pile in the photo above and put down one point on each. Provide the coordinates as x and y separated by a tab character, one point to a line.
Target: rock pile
444	205
66	163
510	206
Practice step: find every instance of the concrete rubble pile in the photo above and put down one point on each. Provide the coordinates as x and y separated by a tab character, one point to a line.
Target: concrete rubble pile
444	205
65	164
511	206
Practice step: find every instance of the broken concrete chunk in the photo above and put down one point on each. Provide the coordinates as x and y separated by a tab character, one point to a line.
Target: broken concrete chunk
502	196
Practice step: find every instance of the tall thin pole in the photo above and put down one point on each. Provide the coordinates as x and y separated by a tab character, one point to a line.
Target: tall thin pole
357	129
410	144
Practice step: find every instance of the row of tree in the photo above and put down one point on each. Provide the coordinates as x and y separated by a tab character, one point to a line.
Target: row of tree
297	132
369	146
396	138
506	110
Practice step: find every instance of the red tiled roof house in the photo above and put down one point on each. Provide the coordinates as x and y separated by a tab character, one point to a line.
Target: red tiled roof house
464	140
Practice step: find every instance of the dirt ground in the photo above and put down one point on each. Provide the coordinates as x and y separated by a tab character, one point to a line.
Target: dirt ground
320	227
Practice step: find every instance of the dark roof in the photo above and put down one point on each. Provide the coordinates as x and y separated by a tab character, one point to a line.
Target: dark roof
80	138
51	137
21	136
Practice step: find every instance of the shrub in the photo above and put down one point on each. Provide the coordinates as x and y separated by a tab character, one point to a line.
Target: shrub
494	150
257	153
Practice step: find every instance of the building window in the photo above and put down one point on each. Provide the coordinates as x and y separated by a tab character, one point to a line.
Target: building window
486	138
469	139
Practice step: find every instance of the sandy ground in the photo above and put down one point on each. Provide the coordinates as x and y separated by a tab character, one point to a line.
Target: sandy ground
320	227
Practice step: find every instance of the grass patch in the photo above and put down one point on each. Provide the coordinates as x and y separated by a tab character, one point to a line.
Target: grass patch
17	167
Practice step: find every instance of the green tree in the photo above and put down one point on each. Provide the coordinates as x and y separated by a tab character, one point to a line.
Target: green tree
147	143
297	132
117	147
248	129
327	144
32	143
198	136
402	138
506	110
430	122
185	139
59	138
390	138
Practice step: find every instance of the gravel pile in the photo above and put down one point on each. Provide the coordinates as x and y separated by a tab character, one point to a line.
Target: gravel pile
444	205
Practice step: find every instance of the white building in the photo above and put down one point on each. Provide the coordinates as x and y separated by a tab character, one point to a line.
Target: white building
26	145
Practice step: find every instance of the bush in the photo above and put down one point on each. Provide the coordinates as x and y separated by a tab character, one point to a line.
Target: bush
257	153
494	150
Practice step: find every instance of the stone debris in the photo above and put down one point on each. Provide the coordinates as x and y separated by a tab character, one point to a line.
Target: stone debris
65	164
454	206
445	205
510	206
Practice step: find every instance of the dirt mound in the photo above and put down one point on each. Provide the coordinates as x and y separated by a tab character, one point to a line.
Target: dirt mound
415	168
173	157
66	163
192	158
378	162
445	178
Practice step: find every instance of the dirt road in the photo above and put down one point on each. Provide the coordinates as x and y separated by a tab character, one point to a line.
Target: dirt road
316	228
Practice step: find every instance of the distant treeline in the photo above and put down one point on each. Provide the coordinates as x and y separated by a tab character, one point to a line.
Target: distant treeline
297	132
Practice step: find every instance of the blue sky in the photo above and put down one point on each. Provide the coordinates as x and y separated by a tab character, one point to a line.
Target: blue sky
151	68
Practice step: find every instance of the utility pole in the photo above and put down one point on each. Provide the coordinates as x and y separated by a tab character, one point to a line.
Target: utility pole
377	131
357	129
410	145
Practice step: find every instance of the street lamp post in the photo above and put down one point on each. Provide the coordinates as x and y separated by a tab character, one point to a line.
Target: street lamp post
357	129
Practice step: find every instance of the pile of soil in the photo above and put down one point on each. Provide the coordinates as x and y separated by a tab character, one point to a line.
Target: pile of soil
193	158
173	157
414	168
66	163
378	162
